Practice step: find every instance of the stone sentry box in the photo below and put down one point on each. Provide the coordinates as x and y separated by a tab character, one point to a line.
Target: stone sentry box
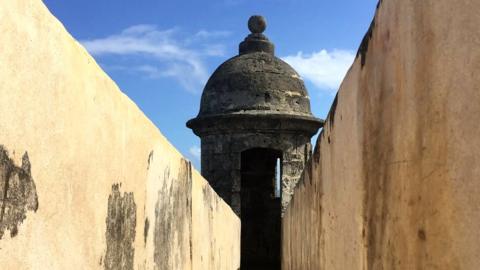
255	106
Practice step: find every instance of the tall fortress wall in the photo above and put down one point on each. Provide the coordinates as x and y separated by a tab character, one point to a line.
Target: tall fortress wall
86	180
394	179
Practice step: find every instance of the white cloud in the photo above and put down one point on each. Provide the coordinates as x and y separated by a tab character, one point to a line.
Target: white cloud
181	58
324	69
214	50
195	152
212	34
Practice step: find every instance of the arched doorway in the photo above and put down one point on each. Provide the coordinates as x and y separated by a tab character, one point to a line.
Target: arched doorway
261	209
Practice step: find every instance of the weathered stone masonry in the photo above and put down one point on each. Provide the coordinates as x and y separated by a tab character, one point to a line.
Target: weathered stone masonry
255	114
253	100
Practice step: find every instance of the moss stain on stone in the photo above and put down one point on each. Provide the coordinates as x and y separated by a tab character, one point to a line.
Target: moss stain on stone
363	48
145	230
172	212
333	109
120	235
150	158
18	193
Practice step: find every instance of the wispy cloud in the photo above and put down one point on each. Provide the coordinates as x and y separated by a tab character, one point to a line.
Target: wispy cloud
324	69
195	152
212	34
176	56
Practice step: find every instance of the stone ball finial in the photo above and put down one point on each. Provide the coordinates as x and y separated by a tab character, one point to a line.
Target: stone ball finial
257	24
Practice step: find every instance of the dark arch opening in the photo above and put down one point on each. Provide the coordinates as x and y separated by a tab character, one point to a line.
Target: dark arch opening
261	209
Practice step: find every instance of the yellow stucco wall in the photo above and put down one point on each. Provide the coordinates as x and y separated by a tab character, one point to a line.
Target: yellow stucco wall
394	182
100	187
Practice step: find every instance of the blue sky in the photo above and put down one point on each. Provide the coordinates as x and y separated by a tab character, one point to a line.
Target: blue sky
161	53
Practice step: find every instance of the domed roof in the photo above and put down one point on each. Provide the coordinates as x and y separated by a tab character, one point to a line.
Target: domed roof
255	83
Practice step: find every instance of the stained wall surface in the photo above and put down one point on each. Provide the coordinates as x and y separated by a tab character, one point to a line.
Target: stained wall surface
393	182
86	180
